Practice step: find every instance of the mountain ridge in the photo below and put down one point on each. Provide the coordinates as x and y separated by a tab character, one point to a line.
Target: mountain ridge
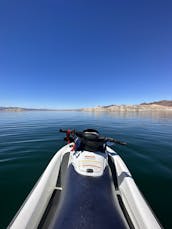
163	105
161	102
156	105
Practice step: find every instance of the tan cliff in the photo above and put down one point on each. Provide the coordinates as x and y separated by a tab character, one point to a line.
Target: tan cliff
163	105
126	108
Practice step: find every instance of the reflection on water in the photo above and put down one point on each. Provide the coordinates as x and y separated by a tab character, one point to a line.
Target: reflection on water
29	139
133	114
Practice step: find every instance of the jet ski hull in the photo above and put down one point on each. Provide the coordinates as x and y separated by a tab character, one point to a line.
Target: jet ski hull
74	193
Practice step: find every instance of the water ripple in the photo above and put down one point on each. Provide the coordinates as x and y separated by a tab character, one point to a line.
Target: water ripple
28	140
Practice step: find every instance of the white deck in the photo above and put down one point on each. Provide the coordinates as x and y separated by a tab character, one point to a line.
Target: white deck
30	214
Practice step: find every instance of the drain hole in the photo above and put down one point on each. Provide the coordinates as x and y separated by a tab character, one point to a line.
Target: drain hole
90	170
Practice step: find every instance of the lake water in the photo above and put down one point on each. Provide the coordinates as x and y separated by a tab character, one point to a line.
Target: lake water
28	140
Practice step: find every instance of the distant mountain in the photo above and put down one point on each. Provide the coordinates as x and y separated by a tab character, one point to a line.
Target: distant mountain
20	109
12	109
152	106
164	105
167	103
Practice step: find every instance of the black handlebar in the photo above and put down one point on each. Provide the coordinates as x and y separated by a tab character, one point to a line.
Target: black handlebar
97	138
65	131
115	141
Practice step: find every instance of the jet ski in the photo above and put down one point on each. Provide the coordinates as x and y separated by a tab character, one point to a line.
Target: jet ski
85	185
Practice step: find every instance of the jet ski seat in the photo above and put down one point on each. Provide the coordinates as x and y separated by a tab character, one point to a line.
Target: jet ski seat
88	203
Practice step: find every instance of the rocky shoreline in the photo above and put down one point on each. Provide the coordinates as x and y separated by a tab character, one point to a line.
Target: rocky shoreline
20	109
163	105
128	108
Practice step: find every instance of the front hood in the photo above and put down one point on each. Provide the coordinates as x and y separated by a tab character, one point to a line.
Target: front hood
89	163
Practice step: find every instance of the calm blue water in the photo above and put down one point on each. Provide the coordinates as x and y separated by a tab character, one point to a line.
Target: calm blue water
28	140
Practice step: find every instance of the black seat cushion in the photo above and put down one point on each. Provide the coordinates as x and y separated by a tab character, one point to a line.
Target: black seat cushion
88	203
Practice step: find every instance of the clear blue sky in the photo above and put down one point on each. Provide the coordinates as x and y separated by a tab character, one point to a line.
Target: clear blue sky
81	53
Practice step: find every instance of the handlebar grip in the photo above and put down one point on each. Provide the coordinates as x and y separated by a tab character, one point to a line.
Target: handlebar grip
116	141
63	131
121	143
67	131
